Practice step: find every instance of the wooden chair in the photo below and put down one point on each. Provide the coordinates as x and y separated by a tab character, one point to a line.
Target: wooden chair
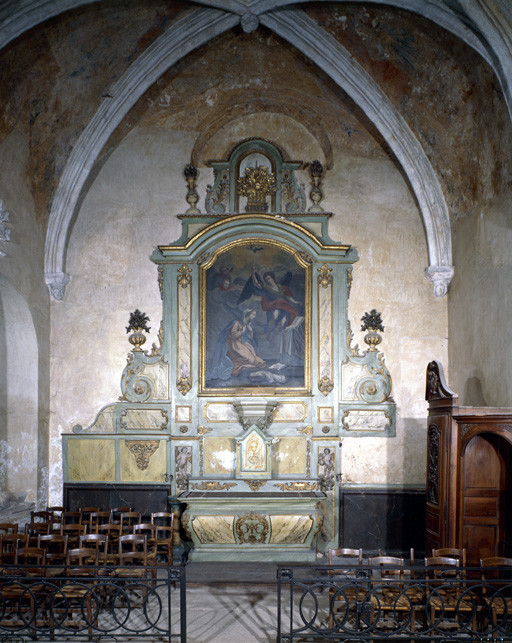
70	518
82	561
85	514
56	520
36	529
96	541
164	534
55	547
391	607
32	558
115	514
445	595
73	532
347	591
41	516
149	530
133	553
18	597
128	519
113	532
69	602
8	545
451	552
8	528
96	518
497	594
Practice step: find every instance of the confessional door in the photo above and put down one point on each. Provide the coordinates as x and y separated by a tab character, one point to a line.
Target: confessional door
486	492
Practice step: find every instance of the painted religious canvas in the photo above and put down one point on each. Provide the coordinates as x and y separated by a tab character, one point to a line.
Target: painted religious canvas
255	320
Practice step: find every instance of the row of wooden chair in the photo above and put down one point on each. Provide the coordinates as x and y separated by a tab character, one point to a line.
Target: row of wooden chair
158	532
52	554
441	588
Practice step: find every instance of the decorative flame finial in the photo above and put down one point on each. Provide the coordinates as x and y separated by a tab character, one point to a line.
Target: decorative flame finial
137	323
190	173
316	170
372	322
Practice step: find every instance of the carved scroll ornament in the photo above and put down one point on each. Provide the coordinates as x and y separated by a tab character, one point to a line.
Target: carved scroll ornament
142	450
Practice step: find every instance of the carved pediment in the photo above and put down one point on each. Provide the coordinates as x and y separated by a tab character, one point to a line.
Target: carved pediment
437	388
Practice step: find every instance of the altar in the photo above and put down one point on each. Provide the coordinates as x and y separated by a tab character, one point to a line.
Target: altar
239	410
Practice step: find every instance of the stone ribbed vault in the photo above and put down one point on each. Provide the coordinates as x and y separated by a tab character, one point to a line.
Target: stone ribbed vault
294	26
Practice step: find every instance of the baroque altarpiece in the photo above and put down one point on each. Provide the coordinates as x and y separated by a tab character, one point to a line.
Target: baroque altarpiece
238	414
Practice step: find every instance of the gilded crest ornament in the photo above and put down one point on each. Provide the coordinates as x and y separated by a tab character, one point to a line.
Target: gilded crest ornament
256	184
142	450
324	276
184	278
305	430
325	385
184	384
255	485
297	486
210	485
252	528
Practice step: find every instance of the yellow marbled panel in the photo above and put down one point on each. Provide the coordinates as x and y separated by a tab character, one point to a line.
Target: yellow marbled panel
214	529
129	471
91	460
289	456
290	529
219	455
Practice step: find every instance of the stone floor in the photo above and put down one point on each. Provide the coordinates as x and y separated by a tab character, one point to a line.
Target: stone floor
226	603
231	602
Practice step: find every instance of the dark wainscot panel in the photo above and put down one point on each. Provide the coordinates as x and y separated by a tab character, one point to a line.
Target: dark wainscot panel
387	518
142	497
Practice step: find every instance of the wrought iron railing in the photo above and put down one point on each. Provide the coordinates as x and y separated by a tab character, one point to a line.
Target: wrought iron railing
117	603
346	603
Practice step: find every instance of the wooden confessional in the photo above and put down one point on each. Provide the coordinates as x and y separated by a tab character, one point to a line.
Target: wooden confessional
469	488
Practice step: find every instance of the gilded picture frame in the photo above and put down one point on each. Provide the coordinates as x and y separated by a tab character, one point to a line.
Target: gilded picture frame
255	320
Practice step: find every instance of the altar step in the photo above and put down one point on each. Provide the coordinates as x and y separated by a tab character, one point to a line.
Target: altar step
204	573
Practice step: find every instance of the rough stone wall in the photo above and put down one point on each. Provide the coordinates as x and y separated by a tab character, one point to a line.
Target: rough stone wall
24	333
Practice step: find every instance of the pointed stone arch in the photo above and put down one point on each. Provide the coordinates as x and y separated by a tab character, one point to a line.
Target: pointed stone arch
294	26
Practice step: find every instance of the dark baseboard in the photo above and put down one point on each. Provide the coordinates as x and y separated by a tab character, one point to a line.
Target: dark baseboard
386	518
146	498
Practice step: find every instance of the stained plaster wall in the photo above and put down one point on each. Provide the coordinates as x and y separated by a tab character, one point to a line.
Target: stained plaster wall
480	307
131	207
24	333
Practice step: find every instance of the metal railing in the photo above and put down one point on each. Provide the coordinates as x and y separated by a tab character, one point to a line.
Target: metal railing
122	603
347	603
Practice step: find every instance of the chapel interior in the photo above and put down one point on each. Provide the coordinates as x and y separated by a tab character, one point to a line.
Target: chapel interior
386	129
